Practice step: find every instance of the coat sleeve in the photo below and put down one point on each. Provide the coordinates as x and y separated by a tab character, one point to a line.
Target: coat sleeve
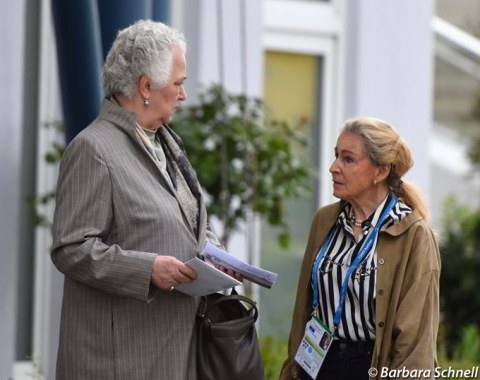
82	222
416	321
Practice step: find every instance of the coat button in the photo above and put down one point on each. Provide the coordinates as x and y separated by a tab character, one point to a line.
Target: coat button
381	261
381	292
381	324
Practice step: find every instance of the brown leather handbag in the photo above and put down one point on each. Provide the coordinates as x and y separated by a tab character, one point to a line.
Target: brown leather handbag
227	339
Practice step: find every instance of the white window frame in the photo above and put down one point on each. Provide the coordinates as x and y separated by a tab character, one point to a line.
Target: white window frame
313	28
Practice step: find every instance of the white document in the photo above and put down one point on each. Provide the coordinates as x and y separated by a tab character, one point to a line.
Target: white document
250	272
209	279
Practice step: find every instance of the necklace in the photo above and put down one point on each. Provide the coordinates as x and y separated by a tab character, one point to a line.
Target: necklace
351	218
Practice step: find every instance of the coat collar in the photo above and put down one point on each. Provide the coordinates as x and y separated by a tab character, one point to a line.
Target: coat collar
332	211
405	224
117	115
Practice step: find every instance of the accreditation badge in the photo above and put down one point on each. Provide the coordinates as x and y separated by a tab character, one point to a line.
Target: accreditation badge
314	346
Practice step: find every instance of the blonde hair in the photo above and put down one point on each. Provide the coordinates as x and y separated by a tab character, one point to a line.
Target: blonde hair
384	146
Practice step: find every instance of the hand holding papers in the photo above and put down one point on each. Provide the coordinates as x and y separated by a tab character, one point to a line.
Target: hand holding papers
252	273
209	279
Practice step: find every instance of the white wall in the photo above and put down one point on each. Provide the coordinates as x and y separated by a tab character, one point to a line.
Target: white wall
389	71
11	84
29	97
234	57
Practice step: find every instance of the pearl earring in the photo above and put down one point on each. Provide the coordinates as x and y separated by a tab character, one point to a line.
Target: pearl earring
146	102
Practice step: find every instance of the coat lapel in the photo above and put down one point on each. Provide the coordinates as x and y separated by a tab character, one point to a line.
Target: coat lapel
177	150
126	121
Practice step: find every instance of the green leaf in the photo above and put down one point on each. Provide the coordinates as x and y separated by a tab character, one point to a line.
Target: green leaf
242	154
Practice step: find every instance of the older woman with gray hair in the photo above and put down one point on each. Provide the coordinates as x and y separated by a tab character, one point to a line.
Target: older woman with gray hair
129	213
370	274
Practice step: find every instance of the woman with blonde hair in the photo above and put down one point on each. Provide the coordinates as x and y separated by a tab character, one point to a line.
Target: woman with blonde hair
370	274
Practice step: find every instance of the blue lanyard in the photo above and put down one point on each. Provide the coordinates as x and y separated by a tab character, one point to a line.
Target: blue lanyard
365	248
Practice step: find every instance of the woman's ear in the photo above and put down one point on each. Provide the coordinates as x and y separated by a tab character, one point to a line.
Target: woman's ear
144	86
382	173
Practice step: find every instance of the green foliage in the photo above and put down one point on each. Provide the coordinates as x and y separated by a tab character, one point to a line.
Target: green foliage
53	156
474	153
459	294
39	219
474	149
244	159
466	350
274	352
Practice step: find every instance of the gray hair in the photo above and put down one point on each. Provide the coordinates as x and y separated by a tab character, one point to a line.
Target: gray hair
144	48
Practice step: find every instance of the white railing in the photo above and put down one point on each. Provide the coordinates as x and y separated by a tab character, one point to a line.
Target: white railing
457	47
456	38
448	149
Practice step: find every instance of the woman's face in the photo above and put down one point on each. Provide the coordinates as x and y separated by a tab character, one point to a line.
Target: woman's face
164	100
353	173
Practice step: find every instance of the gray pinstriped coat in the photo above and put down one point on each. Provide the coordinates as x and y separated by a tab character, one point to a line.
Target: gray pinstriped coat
115	212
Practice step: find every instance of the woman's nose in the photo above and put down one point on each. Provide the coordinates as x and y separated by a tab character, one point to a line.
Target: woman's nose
182	94
333	167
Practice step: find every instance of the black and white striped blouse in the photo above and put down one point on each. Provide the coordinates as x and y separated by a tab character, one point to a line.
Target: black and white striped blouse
358	318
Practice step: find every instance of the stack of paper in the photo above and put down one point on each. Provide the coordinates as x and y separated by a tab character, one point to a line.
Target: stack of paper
252	273
209	279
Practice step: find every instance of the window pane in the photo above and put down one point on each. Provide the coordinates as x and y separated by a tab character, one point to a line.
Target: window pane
291	88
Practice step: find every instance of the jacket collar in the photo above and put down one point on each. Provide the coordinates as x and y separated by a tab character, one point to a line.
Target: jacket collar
405	224
117	115
332	211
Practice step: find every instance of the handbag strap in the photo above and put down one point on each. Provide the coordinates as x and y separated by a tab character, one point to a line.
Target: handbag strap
234	296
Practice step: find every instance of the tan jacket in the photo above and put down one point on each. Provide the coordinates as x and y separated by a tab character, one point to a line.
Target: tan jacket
407	295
